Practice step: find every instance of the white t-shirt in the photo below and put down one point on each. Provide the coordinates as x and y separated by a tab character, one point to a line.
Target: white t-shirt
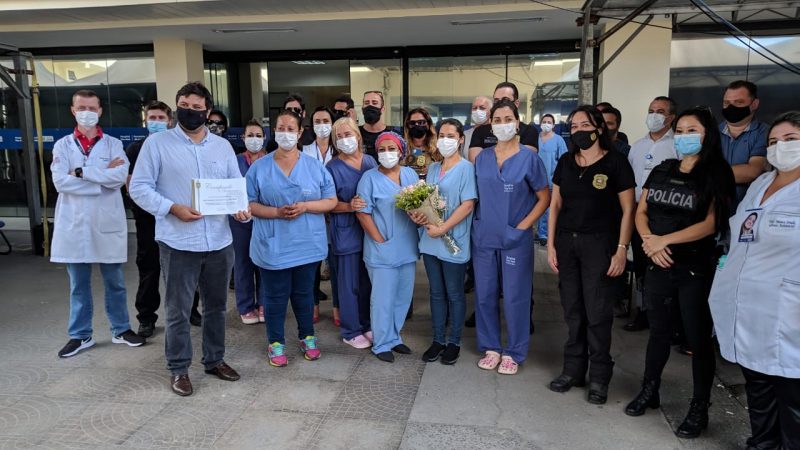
646	154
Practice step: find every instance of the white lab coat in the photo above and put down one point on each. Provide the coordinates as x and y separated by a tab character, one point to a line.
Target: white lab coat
90	221
755	298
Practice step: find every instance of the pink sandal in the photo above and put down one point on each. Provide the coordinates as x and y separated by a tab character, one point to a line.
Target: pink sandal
507	366
489	361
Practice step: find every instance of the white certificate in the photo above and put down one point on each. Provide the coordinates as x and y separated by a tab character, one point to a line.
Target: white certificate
219	196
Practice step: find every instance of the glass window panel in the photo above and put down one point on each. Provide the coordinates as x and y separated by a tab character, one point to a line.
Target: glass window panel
547	83
319	82
385	75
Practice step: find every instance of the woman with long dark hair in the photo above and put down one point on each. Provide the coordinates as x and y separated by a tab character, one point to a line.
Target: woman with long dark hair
419	132
589	229
685	204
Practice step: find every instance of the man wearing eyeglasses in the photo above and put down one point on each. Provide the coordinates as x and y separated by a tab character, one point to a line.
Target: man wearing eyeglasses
483	137
295	103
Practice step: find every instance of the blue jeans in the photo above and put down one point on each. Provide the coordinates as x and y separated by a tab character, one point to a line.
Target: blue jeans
446	281
541	225
245	273
297	284
81	305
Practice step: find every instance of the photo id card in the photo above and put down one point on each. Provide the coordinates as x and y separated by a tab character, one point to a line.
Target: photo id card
748	229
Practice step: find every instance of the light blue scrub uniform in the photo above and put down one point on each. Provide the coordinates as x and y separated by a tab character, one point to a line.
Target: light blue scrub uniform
549	153
501	252
391	265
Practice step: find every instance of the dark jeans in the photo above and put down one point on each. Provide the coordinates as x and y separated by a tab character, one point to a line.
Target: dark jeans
446	281
184	273
587	296
774	406
297	284
687	289
245	273
147	261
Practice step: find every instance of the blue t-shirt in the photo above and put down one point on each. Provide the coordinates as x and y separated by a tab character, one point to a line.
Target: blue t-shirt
457	185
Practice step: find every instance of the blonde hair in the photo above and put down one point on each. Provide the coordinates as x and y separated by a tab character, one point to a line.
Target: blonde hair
345	122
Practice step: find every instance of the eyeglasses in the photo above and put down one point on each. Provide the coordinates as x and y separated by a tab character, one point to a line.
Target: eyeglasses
504	99
215	122
417	123
297	111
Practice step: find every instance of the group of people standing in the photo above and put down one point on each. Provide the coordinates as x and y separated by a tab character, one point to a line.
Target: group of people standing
328	192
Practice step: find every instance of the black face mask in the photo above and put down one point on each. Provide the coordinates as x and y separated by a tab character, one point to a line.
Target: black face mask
735	114
584	139
417	132
338	114
191	119
372	114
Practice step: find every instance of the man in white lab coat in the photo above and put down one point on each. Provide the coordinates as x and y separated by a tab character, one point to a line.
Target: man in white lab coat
88	170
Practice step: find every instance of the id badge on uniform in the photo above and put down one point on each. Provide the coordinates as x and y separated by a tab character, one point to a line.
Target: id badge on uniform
749	226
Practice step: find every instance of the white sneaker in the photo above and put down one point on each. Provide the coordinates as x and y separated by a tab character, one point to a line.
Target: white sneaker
250	318
358	342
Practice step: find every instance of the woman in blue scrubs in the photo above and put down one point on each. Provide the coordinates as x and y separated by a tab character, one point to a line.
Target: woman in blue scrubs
455	177
244	271
551	148
289	194
513	193
347	236
390	244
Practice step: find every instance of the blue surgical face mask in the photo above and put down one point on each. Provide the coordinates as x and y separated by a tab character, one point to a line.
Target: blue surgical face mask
688	144
154	126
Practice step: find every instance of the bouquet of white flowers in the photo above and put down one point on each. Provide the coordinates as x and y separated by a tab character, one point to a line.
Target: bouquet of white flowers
423	198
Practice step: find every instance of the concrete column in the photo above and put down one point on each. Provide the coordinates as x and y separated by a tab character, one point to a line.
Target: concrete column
178	61
639	74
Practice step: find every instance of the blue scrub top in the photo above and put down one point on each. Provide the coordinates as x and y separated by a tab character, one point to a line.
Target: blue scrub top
549	152
506	197
279	244
243	168
347	236
456	186
400	233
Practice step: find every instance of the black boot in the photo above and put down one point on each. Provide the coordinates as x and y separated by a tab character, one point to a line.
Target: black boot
648	398
696	420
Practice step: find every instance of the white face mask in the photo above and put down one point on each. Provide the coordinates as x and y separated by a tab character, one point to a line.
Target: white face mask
87	119
447	146
388	159
547	127
479	116
253	144
322	130
286	140
784	155
347	145
655	122
504	131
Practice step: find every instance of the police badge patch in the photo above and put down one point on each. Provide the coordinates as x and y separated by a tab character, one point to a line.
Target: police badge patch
600	181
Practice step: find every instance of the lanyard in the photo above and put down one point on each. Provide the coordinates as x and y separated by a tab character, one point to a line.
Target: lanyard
89	149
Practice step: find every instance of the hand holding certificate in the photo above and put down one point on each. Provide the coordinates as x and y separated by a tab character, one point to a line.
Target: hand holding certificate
219	196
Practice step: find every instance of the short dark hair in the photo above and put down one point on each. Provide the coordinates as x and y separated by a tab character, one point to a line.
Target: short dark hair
454	122
508	84
159	105
294	98
751	87
603	106
253	123
615	112
546	116
221	114
505	104
196	88
673	107
86	93
346	99
790	117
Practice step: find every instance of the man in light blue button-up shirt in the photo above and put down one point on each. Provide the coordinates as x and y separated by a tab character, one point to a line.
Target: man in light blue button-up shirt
195	250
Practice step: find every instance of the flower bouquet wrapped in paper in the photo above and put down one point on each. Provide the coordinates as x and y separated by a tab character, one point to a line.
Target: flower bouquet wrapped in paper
423	198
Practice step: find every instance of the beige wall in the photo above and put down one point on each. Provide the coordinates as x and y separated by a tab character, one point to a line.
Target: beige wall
640	73
178	61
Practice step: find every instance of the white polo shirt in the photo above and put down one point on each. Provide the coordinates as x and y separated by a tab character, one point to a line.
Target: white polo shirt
646	154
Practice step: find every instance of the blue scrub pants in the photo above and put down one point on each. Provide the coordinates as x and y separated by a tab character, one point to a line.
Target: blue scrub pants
354	289
392	289
81	306
295	283
446	281
514	269
541	225
245	273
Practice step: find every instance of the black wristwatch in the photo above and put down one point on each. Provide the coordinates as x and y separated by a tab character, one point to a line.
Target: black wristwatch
79	172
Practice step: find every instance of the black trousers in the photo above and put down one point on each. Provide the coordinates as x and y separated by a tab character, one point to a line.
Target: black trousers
687	289
774	406
147	261
587	296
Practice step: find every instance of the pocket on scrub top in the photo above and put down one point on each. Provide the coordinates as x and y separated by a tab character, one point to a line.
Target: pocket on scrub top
514	236
383	253
788	315
109	220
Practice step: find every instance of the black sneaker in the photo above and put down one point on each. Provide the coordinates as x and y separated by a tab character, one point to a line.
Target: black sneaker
433	352
146	329
128	337
402	349
470	322
450	355
74	346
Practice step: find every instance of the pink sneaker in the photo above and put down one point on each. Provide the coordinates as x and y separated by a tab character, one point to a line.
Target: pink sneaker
276	356
250	317
369	336
358	342
309	348
261	314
